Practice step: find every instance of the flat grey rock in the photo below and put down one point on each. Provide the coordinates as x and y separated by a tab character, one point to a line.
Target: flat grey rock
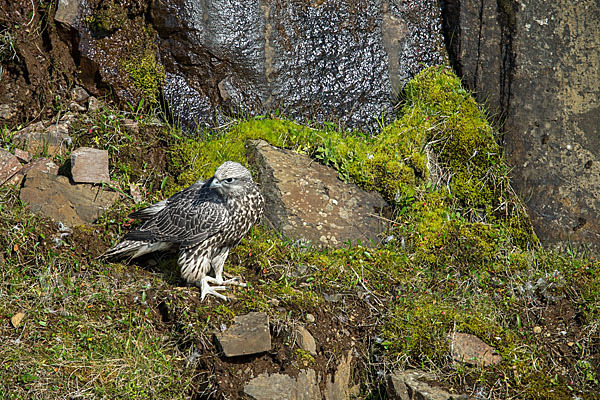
249	334
283	387
307	201
67	12
415	384
55	197
89	165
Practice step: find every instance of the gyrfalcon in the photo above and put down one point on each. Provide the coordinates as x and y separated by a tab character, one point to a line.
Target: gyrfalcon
203	221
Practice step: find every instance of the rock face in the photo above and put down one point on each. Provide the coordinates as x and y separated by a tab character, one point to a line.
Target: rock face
306	200
326	60
415	385
536	63
249	334
55	197
472	350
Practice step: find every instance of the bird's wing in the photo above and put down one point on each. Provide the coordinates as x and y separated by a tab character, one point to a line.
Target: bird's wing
188	218
150	211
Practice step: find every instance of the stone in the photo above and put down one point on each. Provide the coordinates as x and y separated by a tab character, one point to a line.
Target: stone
16	319
67	12
337	387
306	200
44	137
415	384
55	197
136	194
94	104
305	340
76	107
310	318
472	350
535	66
249	334
23	155
44	165
283	387
9	166
79	95
7	111
332	60
89	165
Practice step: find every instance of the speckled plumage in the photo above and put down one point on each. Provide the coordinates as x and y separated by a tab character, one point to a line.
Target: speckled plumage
204	221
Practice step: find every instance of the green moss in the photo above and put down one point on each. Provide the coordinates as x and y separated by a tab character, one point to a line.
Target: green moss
146	73
110	17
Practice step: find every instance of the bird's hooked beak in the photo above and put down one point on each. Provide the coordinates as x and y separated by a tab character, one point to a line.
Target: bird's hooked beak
215	184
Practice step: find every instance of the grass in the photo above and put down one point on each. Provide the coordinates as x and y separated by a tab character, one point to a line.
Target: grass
456	264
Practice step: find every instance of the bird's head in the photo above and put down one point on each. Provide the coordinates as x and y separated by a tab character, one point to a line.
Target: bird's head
231	179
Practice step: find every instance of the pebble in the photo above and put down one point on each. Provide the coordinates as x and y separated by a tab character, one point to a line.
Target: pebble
537	330
310	318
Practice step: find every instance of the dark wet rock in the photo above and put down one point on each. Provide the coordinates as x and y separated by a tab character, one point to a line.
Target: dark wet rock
535	64
55	197
416	384
89	165
249	334
337	386
307	201
331	60
283	387
117	46
47	137
9	166
472	350
305	340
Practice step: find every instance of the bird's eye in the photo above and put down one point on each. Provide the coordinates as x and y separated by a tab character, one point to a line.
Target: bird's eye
228	180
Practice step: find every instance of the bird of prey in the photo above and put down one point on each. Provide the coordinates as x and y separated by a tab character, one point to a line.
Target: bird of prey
203	221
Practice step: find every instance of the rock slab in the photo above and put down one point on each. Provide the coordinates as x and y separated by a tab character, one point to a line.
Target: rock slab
306	341
55	197
89	165
249	334
284	387
307	201
472	350
44	137
415	385
9	166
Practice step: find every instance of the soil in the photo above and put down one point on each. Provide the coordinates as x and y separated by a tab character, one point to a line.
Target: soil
37	65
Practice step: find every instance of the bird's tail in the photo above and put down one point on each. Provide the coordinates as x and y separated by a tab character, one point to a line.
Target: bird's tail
134	248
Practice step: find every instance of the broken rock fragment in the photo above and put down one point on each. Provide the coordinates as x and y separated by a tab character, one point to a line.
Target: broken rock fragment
89	165
472	350
249	334
9	165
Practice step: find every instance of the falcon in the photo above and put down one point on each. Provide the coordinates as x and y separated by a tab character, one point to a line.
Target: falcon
203	222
